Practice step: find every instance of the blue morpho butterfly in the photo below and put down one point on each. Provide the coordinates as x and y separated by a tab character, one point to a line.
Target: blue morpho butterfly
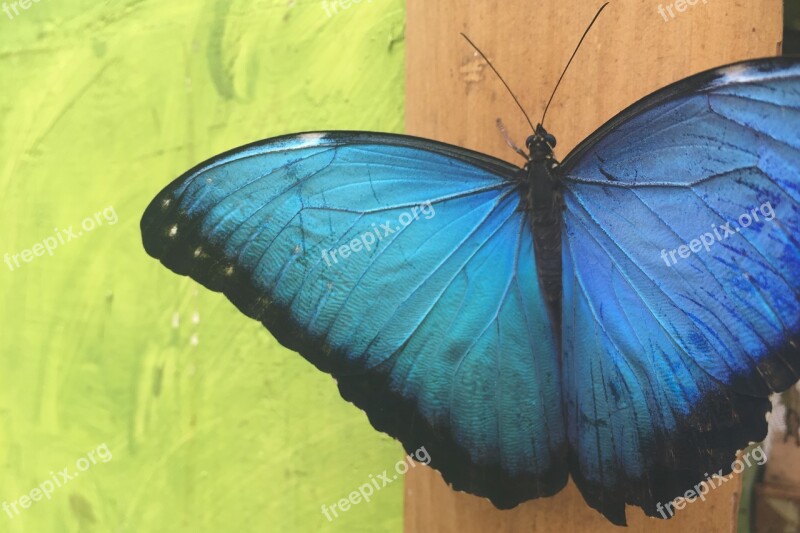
620	317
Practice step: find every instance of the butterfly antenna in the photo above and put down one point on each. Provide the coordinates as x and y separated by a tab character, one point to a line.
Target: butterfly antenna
570	60
501	79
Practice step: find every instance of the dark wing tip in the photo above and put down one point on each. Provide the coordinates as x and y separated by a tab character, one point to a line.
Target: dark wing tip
155	236
683	459
172	236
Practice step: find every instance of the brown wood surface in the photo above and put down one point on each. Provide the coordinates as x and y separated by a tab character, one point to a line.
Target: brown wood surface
452	96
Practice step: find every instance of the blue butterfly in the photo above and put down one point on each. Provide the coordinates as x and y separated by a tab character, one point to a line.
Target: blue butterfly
620	317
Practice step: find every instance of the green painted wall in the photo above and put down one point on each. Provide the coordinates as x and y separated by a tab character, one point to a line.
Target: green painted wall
210	425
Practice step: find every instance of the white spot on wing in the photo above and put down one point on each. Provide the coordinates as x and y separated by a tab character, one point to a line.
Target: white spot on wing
749	73
737	73
173	230
307	140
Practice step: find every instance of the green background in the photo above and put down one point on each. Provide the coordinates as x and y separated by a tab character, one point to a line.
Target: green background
212	425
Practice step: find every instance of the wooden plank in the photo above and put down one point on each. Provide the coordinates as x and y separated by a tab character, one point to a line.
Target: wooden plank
452	96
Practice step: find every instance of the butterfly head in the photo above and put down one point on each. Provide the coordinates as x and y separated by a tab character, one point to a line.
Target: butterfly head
541	143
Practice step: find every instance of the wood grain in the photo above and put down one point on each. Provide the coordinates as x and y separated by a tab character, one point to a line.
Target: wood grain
452	96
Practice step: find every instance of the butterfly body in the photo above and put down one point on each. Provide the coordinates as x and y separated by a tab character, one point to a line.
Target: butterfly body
522	324
542	183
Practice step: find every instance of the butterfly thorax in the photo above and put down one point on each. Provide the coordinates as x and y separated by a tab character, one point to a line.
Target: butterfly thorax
541	181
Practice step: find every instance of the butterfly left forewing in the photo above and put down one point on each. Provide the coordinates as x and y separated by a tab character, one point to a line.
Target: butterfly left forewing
402	267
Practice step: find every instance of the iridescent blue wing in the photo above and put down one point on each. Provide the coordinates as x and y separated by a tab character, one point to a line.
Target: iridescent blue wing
669	356
404	268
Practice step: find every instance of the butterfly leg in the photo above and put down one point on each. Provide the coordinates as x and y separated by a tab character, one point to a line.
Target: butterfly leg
508	140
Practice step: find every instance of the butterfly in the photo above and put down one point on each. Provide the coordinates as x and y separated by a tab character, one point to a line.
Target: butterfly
620	316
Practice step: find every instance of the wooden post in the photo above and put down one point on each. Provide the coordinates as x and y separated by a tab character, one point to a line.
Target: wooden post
452	96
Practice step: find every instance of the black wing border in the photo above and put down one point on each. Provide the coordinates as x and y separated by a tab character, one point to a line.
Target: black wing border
695	84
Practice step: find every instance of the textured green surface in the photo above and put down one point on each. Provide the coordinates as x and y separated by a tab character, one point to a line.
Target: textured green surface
211	424
792	13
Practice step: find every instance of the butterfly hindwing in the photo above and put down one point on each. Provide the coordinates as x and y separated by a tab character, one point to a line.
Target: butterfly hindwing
681	282
405	269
